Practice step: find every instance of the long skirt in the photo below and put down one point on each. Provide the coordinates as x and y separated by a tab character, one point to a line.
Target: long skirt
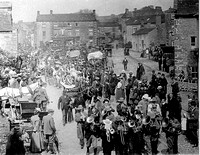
119	93
37	142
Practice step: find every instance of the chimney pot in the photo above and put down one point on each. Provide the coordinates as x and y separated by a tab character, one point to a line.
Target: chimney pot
135	9
51	12
126	10
93	11
38	12
158	8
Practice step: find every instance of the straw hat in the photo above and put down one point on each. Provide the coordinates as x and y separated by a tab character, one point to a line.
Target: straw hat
121	100
107	122
90	119
79	107
50	110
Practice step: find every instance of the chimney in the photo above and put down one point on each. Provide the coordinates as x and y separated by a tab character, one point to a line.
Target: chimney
158	20
135	9
175	4
38	12
51	12
126	10
142	22
94	12
158	8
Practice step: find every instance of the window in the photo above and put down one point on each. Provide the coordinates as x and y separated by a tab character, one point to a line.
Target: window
44	34
193	41
90	32
69	24
43	25
77	32
194	72
69	32
76	24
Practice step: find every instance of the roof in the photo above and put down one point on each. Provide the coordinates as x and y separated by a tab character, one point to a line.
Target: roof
143	31
5	21
73	17
127	14
146	19
187	7
108	24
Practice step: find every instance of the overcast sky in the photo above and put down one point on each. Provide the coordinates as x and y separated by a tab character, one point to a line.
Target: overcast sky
26	10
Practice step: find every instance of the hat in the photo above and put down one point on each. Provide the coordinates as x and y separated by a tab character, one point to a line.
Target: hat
138	112
97	78
153	100
106	100
118	118
79	107
107	122
121	99
159	87
165	122
50	110
90	119
146	120
146	96
37	109
108	108
111	117
131	72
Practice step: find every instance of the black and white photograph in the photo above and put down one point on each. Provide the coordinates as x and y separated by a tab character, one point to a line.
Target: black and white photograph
99	77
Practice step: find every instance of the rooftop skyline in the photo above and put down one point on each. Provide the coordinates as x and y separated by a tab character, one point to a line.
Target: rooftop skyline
26	10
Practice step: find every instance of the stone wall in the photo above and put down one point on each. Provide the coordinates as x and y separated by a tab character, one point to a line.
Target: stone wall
184	29
4	131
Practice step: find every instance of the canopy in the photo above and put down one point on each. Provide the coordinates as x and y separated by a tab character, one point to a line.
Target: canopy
15	92
95	55
74	53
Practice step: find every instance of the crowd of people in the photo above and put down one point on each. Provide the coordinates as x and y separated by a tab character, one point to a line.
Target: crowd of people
144	110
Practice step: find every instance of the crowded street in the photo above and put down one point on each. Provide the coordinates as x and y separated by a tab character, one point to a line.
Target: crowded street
94	80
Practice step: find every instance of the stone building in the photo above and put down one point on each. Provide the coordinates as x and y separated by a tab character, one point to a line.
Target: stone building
186	31
66	29
108	29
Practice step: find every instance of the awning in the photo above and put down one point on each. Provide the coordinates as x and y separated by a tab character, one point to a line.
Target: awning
95	55
73	54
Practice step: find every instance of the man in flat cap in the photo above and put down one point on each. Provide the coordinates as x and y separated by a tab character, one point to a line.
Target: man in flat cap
49	129
64	105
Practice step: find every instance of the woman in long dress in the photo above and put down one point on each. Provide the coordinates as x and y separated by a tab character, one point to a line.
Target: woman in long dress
36	138
119	91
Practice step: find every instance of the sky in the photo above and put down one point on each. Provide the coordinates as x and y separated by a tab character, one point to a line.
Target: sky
26	10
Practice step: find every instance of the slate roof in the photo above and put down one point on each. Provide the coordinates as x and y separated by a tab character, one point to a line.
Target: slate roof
146	19
73	17
108	24
5	22
143	31
187	7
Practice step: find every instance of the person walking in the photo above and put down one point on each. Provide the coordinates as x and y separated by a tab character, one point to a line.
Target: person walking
80	118
125	63
36	137
63	104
